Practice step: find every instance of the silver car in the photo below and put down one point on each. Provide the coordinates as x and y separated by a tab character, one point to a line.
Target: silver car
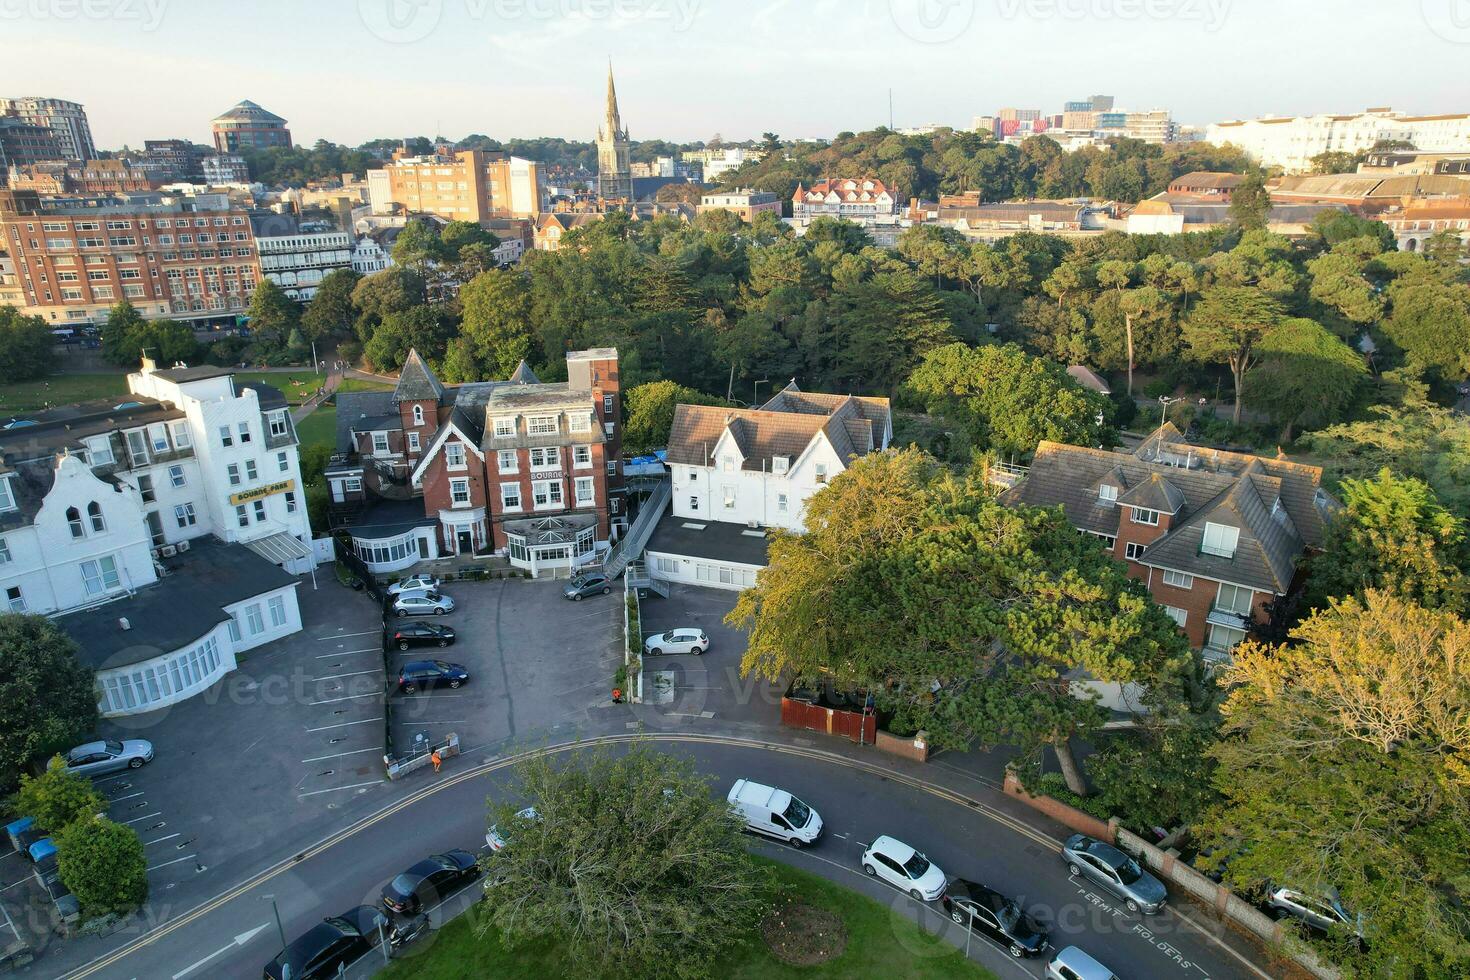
422	604
1323	914
422	582
1115	871
109	755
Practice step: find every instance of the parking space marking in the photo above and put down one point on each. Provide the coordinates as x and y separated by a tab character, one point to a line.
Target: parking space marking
355	673
345	724
128	797
187	857
339	755
338	789
346	653
350	697
14	931
343	636
145	817
160	840
14	883
420	697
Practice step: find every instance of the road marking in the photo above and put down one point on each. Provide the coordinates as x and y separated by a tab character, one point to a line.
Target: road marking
128	797
136	819
1210	936
343	636
160	840
327	728
11	924
187	857
240	940
338	789
323	758
14	883
347	653
355	673
350	697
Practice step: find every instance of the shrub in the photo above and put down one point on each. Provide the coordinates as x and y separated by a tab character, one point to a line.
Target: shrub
103	864
57	797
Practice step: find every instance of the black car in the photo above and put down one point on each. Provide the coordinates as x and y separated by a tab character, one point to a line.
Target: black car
430	673
407	635
337	942
997	918
426	883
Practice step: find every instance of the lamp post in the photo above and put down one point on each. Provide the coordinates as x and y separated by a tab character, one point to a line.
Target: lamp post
1166	401
285	967
755	395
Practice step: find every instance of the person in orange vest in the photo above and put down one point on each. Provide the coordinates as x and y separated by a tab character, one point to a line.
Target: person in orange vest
617	696
435	759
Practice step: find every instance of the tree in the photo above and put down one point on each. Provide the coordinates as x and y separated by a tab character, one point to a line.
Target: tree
457	234
1335	162
425	328
57	797
1226	326
48	700
330	314
496	330
272	314
122	320
1250	202
1007	401
649	411
1431	321
393	290
1306	376
1342	767
104	866
1394	536
27	349
959	615
420	248
632	867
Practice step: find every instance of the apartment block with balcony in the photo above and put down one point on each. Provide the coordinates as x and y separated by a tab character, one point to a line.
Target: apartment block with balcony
298	263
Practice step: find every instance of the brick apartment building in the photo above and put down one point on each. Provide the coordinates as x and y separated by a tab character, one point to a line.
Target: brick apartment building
519	468
57	179
1215	535
73	261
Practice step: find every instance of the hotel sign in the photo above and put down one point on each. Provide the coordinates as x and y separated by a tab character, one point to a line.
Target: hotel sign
269	490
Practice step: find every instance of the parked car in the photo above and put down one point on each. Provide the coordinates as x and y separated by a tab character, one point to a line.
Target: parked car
1115	871
422	604
1323	914
415	583
497	840
430	673
109	755
1073	964
999	919
593	583
904	868
422	886
683	640
333	944
774	812
419	635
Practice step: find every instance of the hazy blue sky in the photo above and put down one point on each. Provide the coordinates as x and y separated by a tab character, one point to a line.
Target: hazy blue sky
350	70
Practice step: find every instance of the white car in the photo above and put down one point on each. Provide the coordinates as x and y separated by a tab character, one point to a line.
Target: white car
1073	964
415	583
904	868
497	841
684	640
422	604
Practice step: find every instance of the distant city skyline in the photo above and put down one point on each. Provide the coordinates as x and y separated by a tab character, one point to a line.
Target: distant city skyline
353	70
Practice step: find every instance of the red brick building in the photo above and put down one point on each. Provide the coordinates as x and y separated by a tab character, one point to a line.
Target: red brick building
1215	535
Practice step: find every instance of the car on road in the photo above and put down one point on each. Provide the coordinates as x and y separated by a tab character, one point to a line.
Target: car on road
109	755
593	583
422	604
893	861
1324	913
422	582
1115	871
427	883
999	919
329	946
497	840
1074	964
430	673
419	635
683	640
774	813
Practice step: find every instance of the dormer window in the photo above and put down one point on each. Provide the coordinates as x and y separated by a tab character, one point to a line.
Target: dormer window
505	426
1149	517
1220	540
579	423
541	425
780	464
1107	495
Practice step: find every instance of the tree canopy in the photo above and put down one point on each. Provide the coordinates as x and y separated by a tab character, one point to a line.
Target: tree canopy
26	347
48	700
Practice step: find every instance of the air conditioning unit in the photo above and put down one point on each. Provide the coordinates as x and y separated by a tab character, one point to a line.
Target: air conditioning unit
168	551
183	546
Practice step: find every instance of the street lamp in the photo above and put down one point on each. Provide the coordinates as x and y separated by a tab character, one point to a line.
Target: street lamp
285	967
755	395
1166	401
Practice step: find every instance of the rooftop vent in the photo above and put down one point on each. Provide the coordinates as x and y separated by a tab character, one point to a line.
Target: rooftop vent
122	623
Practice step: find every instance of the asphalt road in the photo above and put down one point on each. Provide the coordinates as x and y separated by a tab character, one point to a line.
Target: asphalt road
234	935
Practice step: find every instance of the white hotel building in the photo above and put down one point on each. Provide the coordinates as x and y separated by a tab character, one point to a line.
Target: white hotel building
165	532
1290	142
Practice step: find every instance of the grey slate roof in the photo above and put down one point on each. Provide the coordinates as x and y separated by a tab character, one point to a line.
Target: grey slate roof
523	375
416	382
269	396
183	375
362	411
1154	493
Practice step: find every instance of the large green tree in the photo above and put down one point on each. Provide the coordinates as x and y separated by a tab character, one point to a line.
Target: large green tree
632	867
1227	327
1306	376
495	330
394	290
57	797
104	866
1250	202
48	700
649	412
330	314
273	315
427	329
27	349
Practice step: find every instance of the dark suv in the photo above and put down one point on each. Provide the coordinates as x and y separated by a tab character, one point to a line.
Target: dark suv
419	635
430	673
990	914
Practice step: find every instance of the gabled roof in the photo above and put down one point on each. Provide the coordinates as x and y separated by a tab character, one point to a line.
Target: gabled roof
1154	493
523	375
416	382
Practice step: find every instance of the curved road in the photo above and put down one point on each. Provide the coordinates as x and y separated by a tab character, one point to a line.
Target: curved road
234	934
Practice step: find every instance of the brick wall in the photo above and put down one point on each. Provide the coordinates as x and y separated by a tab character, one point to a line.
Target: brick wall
436	484
567	473
425	431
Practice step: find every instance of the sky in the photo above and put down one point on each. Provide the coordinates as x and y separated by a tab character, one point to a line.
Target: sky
353	70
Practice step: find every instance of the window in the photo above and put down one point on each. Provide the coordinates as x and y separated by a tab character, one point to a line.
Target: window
226	438
612	467
380	443
181	435
99	452
145	489
1135	550
278	425
454	456
253	619
158	436
585	493
505	426
541	425
1141	516
607	404
459	492
506	461
821	472
283	462
1233	599
1222	639
251	473
418	415
137	446
15	600
94	515
260	510
581	457
510	496
176	476
694	503
547	458
7	502
242	516
579	423
352	485
668	565
290	501
727	464
1220	540
782	504
4	552
413	442
1180	616
1107	494
546	494
234	471
277	606
1178	580
728	492
100	576
184	514
244	432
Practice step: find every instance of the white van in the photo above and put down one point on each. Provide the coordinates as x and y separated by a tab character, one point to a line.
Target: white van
775	813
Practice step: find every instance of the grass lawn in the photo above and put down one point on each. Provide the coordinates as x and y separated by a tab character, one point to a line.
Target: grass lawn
879	944
297	386
320	427
358	384
64	389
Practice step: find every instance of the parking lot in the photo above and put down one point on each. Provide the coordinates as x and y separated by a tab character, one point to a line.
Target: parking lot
538	664
682	687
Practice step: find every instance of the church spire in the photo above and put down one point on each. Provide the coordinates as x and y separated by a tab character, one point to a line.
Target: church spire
613	123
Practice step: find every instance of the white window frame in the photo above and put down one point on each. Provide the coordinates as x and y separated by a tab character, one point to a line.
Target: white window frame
1180	616
542	425
505	426
1134	550
184	515
1236	591
1107	495
413	442
1178	580
455	457
99	578
577	422
510	498
1226	539
176	477
15	599
585	491
380	443
547	495
581	457
459	487
1142	515
549	457
5	556
226	436
508	461
277	606
232	471
418	415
